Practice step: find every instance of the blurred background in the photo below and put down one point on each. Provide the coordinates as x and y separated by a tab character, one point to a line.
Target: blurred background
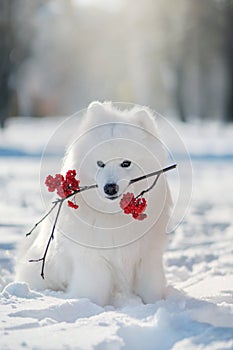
174	56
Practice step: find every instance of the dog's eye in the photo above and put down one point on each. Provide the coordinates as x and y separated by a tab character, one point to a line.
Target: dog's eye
125	163
100	163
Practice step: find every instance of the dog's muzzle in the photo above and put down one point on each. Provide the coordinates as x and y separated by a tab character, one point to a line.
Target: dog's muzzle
111	189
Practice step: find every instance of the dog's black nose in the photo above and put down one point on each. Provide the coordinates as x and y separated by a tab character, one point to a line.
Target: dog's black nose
111	189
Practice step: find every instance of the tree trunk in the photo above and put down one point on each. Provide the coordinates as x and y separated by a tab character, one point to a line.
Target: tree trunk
5	63
229	61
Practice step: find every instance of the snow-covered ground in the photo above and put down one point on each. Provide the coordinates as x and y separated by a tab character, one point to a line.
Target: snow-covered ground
198	310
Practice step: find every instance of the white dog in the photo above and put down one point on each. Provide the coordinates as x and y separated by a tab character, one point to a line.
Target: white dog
99	252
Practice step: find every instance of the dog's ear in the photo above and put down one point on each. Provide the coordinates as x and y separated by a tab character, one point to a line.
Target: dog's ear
144	118
96	107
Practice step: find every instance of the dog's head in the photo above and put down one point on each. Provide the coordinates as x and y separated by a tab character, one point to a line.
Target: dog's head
114	146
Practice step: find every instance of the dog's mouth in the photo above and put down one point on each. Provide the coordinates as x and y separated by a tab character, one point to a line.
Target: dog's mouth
112	197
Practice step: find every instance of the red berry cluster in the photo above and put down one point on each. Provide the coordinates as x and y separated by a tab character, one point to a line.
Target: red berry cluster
135	206
65	186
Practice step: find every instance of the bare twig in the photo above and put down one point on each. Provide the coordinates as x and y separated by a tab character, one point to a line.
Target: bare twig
42	219
150	187
51	237
59	200
81	189
158	172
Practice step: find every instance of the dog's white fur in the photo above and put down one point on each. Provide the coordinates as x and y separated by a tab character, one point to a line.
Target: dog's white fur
98	251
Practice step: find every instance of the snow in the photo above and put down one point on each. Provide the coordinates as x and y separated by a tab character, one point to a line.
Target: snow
198	310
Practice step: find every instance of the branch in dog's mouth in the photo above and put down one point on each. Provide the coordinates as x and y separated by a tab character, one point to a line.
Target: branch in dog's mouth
143	177
82	189
132	181
158	172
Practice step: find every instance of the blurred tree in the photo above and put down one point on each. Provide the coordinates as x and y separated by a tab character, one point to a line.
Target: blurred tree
228	4
79	58
16	31
57	56
6	43
178	57
204	83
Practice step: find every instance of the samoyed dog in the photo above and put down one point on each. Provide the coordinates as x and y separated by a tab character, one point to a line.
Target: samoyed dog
99	252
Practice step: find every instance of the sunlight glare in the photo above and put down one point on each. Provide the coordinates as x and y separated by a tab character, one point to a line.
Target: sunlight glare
105	4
